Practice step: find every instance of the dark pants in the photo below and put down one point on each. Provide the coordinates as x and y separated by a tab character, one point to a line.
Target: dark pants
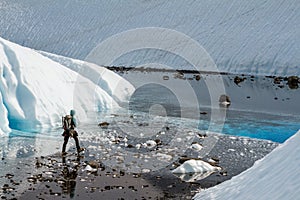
66	139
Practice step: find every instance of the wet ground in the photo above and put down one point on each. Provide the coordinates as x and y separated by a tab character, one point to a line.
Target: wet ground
56	177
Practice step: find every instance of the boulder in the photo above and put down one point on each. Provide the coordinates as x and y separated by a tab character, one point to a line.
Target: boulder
293	82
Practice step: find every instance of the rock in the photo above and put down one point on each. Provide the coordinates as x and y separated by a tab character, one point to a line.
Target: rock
203	113
277	80
196	146
150	144
293	82
213	161
158	141
165	78
224	100
201	135
223	172
179	75
94	164
103	124
197	77
138	146
130	146
216	159
90	169
238	80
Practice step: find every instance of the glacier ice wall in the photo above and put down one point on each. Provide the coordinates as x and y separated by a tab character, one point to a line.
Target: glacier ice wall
253	37
277	168
36	91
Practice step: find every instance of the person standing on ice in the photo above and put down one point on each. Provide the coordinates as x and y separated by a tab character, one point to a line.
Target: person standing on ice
69	124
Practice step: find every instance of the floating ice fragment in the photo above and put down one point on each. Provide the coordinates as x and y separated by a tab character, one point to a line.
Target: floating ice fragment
195	166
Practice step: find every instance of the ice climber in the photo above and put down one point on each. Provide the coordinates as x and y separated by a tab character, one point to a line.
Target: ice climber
69	124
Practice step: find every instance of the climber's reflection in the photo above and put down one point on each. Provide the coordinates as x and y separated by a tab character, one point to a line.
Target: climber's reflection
69	176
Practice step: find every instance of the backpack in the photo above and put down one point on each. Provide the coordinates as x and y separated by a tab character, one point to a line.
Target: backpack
67	122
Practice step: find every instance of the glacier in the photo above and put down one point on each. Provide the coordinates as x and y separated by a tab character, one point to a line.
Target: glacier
35	91
252	37
272	177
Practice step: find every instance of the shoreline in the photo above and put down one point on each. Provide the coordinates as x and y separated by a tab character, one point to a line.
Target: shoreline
124	69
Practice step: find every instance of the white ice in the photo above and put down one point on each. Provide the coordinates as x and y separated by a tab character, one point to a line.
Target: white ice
195	166
273	177
36	91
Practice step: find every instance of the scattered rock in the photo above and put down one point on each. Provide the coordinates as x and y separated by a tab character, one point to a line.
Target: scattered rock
32	179
9	176
196	146
38	163
216	159
132	188
213	161
103	124
150	144
197	77
130	146
277	80
136	175
238	80
179	75
158	141
122	173
201	135
138	146
293	82
94	164
224	100
223	172
165	78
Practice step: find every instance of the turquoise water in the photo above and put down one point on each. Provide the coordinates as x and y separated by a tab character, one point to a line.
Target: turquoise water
277	128
270	125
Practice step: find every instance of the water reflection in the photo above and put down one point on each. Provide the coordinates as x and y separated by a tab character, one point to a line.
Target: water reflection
69	174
